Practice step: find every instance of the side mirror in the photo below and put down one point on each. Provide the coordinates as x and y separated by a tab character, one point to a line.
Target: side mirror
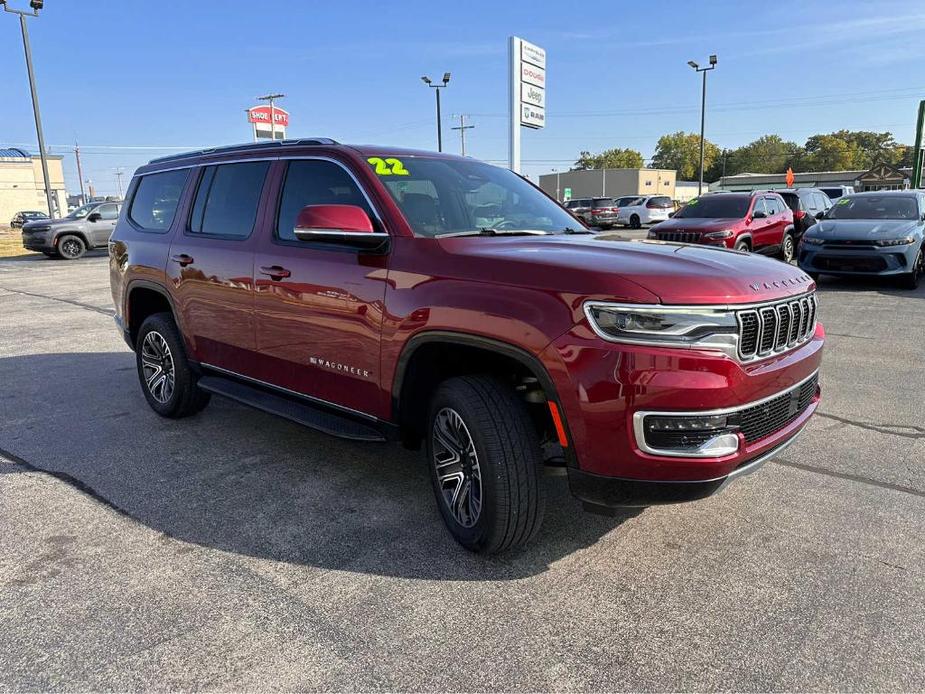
670	215
758	214
94	217
343	224
820	214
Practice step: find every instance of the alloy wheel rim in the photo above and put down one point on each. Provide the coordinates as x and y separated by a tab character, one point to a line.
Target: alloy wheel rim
457	466
157	367
788	249
70	248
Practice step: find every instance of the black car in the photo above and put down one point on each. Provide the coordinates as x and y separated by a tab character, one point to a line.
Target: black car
21	218
806	204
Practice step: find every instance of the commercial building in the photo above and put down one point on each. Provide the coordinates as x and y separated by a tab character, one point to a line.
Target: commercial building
22	186
613	183
879	177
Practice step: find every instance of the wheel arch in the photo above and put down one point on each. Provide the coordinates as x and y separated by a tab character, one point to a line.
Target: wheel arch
72	232
414	374
142	299
747	238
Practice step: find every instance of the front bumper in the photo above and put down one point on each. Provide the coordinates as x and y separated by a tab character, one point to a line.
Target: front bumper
38	241
602	386
599	492
863	260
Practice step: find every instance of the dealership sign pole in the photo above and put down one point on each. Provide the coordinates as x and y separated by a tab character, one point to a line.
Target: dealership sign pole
527	93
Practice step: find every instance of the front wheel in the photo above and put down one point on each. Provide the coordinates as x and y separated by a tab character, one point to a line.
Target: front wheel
787	248
742	246
911	279
634	222
485	463
168	382
71	247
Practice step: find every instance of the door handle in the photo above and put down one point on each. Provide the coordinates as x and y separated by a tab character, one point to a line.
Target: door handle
275	272
182	259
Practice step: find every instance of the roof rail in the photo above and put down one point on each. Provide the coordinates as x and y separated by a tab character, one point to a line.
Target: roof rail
250	146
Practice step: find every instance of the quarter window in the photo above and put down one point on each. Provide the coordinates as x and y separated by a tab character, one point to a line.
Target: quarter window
316	182
154	203
227	199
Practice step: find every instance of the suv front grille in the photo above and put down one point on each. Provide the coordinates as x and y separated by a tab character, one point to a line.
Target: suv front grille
776	326
772	415
680	236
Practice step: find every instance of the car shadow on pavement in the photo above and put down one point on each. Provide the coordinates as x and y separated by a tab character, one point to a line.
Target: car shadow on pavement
238	480
29	257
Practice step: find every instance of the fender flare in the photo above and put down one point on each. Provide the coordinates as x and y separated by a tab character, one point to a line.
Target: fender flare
745	237
145	284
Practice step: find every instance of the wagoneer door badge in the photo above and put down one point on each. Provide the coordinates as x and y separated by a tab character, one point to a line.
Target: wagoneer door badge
337	366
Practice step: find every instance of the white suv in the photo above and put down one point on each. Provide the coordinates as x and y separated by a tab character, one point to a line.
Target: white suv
646	209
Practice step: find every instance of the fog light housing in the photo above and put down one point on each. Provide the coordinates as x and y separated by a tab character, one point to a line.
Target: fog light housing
688	435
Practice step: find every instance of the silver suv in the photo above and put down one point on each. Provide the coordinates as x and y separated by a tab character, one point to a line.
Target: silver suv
70	237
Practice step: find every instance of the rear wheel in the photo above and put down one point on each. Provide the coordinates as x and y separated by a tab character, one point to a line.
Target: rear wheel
634	222
912	279
485	464
168	382
71	247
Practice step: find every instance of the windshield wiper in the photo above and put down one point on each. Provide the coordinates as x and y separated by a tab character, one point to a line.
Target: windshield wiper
569	230
488	231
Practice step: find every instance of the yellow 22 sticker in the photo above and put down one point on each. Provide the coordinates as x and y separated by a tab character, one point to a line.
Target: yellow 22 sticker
389	167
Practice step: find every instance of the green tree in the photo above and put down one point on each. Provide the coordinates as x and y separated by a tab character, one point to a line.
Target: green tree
681	151
609	159
851	149
767	154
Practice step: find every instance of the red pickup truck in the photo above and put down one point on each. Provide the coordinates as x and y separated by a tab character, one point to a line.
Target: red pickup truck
384	294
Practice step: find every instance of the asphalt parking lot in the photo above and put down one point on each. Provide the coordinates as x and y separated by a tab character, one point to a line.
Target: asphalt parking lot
234	550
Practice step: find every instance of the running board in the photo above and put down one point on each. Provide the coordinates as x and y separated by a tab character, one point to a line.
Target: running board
289	408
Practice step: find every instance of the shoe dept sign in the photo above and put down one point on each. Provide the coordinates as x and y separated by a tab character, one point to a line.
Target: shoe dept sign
269	122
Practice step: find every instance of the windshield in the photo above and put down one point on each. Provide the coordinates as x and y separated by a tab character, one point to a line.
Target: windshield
445	196
81	212
716	207
874	207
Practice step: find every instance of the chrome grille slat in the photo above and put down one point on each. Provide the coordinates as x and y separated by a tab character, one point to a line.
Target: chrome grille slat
776	327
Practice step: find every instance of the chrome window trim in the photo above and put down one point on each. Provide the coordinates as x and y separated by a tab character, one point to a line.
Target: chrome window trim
639	419
303	396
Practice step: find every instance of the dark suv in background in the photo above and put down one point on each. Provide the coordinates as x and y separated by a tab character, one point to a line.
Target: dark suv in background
381	294
70	237
807	204
753	221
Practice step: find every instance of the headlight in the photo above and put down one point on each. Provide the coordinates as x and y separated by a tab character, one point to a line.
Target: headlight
813	240
652	235
669	326
905	241
724	234
35	229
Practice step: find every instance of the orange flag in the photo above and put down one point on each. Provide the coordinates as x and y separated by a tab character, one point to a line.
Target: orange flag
789	177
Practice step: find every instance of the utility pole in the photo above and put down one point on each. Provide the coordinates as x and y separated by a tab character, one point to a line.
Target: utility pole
462	128
703	111
80	174
430	83
119	173
272	98
36	5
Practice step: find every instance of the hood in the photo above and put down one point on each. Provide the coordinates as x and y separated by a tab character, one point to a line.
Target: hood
606	267
863	229
50	223
696	224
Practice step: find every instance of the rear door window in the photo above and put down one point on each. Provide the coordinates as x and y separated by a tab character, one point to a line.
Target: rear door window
155	201
227	199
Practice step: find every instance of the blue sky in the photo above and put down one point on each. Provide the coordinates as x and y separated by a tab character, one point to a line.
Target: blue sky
170	74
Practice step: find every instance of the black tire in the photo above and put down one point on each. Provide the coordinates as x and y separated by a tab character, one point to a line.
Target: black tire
911	279
814	276
184	398
507	466
71	247
634	222
787	248
742	246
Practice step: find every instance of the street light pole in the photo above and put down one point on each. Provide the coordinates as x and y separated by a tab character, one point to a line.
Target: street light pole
36	5
438	87
703	112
